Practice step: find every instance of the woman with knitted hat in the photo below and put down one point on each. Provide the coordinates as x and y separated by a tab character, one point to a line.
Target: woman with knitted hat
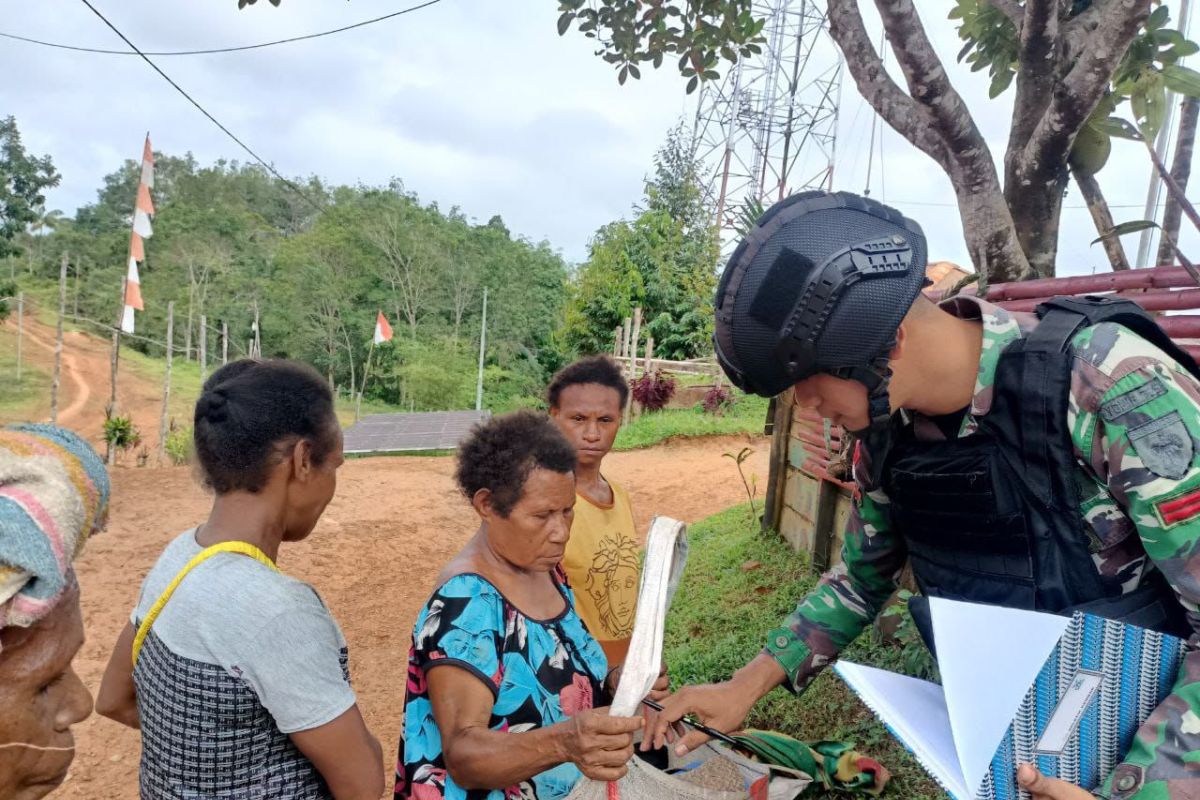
53	496
237	674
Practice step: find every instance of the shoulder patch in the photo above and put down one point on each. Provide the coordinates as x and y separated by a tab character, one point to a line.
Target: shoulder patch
1123	403
1177	508
1164	445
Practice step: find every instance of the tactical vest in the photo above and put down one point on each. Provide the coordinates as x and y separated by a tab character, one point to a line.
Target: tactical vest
994	517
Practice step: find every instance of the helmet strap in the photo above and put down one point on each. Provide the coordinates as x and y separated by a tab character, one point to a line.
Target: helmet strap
876	438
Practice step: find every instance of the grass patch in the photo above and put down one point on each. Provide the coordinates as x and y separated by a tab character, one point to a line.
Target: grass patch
720	619
747	416
20	401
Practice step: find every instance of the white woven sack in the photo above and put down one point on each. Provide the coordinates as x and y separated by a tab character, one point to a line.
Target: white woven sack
666	557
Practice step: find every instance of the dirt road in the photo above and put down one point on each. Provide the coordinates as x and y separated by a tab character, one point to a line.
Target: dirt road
393	524
86	382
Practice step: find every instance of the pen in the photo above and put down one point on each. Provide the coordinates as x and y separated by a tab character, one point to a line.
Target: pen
698	726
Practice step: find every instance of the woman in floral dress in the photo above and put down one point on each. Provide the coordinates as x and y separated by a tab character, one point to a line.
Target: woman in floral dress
503	676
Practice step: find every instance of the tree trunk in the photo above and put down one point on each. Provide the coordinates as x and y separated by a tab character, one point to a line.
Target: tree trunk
933	117
1181	170
1102	217
990	232
1035	214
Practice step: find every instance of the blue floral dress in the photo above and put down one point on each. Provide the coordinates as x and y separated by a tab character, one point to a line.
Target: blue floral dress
540	671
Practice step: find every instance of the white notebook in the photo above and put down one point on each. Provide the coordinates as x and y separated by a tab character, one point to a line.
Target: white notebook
1064	693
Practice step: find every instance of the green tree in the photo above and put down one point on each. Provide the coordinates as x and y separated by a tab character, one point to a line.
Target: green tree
701	33
24	179
664	261
1149	68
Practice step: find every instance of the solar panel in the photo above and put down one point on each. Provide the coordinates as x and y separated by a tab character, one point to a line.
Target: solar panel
397	433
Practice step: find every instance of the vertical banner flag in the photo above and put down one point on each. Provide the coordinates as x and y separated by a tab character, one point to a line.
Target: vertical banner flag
143	211
383	331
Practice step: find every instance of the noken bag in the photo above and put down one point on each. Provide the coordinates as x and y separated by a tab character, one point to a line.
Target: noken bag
711	772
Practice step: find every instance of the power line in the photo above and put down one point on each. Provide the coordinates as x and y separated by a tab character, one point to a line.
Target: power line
260	45
214	120
955	205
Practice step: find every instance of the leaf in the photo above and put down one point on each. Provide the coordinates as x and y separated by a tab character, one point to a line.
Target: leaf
564	22
1149	101
1159	18
635	72
691	85
622	75
1132	226
1186	49
1168	37
1183	80
1000	82
1115	126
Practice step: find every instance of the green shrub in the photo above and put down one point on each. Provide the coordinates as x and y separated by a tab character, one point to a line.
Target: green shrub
179	444
120	433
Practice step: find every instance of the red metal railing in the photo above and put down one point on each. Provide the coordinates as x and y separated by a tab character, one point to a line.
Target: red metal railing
1159	289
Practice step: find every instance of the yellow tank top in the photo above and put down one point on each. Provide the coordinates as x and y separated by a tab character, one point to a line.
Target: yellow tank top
603	564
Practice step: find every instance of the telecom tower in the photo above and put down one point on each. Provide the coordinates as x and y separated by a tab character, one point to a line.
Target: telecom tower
769	127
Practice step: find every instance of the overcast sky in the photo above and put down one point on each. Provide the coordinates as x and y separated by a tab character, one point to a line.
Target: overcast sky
475	103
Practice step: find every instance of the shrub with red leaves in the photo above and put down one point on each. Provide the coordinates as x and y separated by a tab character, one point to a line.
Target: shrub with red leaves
717	400
653	390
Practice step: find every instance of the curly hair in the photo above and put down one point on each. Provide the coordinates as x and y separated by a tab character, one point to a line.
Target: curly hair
248	410
502	452
593	369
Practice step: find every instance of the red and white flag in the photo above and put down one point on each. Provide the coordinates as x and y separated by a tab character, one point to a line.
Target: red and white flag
143	211
383	331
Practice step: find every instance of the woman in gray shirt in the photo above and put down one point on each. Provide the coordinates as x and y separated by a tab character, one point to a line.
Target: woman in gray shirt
235	673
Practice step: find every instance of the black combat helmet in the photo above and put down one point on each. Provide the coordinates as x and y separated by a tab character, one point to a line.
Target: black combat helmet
820	284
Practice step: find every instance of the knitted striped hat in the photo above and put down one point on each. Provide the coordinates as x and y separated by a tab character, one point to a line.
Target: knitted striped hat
53	496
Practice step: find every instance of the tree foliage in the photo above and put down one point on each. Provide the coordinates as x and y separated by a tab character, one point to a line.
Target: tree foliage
701	33
23	181
664	260
230	237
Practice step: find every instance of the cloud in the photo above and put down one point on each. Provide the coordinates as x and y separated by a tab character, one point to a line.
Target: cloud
475	104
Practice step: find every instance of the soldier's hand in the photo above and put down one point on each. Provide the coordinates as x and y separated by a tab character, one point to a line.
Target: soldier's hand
722	706
1043	788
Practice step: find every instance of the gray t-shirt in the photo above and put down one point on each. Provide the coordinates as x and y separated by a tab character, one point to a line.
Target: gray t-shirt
259	625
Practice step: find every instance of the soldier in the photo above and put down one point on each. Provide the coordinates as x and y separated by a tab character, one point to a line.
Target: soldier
1042	461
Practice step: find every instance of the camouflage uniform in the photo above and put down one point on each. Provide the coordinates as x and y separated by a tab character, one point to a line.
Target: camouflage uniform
1142	508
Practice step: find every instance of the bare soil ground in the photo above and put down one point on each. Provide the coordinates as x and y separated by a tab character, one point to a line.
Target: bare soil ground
389	530
392	525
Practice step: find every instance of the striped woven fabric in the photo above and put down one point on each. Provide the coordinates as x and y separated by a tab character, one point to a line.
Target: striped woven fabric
1135	669
53	496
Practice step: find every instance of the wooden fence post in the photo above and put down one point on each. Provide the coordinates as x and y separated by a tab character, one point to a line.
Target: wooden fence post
224	342
110	452
617	341
625	331
257	351
633	341
203	348
20	330
164	421
58	340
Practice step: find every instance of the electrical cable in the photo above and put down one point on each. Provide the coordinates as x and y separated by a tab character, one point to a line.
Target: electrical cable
241	48
318	206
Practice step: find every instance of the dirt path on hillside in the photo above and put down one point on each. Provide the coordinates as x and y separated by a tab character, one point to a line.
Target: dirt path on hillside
393	524
86	387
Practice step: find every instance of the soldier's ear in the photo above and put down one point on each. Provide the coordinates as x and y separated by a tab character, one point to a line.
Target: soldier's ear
901	347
